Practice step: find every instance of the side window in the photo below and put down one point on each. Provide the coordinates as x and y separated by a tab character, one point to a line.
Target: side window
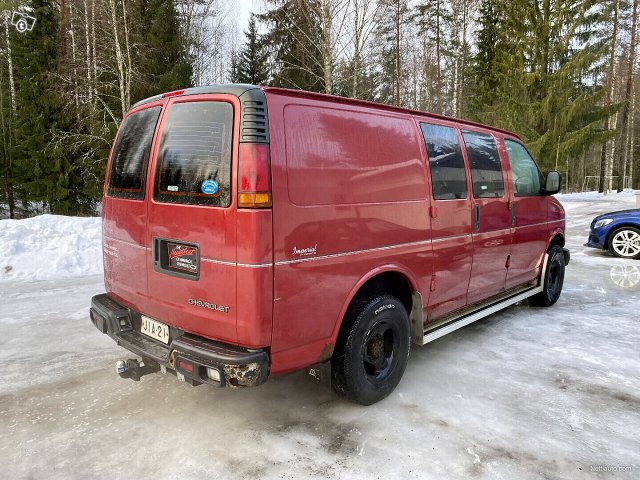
526	177
194	159
484	162
130	156
448	177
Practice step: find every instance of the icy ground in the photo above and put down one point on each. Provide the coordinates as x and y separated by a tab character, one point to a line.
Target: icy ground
524	394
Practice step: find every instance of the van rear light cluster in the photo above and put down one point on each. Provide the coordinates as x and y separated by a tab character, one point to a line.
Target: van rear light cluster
254	184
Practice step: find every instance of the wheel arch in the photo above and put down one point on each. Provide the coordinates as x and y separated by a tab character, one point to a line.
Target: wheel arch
391	279
557	238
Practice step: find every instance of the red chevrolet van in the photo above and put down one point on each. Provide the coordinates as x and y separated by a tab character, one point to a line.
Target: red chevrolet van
253	231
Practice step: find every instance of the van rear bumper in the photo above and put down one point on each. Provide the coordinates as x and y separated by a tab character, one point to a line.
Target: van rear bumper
192	357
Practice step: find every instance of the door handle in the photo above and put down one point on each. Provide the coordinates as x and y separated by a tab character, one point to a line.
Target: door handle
513	213
476	217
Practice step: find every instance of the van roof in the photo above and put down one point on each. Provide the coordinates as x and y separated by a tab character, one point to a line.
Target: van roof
239	88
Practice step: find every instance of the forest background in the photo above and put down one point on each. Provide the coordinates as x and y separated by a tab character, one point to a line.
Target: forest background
559	73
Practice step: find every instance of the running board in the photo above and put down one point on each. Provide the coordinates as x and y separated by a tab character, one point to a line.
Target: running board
470	317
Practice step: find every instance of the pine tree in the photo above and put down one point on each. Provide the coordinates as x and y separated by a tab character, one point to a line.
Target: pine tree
485	69
293	39
42	172
542	76
388	37
162	61
251	65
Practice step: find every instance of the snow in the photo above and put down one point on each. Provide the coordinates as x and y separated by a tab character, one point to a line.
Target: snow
50	247
526	393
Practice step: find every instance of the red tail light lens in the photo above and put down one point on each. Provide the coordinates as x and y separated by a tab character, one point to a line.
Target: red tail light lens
254	177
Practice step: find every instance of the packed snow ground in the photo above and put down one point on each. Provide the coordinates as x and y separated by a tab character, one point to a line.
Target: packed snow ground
524	394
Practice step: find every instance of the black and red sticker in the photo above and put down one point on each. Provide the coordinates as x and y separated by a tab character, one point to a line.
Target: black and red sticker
183	257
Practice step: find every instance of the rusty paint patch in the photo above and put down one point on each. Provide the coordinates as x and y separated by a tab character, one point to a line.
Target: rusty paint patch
325	354
247	375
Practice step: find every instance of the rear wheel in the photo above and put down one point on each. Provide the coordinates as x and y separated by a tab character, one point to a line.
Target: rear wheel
371	351
553	279
625	242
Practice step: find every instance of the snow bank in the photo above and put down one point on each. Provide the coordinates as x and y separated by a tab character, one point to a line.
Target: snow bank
47	247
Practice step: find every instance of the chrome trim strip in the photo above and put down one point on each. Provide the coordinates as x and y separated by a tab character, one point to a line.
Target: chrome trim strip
353	252
234	264
126	242
464	321
468	318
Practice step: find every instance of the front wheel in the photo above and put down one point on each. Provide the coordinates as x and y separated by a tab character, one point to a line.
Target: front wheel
625	242
371	351
553	279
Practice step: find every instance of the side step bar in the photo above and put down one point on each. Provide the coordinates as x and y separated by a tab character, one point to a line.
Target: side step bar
469	317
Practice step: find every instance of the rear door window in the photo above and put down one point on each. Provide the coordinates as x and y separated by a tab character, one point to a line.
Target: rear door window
448	176
130	155
484	162
194	159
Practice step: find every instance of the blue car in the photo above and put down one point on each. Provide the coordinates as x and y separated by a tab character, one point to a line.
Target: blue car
618	232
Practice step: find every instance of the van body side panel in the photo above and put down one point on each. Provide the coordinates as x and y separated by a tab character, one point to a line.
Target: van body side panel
329	164
254	280
124	249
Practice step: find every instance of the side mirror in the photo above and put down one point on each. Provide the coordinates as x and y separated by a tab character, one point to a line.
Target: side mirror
552	183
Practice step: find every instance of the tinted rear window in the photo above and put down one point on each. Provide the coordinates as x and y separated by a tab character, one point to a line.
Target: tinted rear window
484	163
131	155
194	160
448	176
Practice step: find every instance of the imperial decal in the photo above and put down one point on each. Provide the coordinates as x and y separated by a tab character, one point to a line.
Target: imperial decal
303	252
210	306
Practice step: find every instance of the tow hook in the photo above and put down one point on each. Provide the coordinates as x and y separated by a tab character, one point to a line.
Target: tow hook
135	370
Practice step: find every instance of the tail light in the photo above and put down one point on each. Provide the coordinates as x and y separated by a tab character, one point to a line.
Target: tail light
254	176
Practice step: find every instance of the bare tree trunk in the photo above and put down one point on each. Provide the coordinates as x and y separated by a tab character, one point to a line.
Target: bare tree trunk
610	84
12	84
327	53
88	57
463	57
93	48
398	61
438	68
627	100
119	58
631	137
8	171
128	49
73	58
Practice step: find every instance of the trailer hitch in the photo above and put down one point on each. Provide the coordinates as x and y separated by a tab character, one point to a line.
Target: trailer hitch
135	369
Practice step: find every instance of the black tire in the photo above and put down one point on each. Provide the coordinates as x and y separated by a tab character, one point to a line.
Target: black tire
371	351
625	242
553	281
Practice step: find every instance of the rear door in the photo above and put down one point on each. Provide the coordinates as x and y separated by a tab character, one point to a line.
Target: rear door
491	217
192	217
124	208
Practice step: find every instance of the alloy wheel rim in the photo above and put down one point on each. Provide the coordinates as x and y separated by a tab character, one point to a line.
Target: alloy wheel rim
626	243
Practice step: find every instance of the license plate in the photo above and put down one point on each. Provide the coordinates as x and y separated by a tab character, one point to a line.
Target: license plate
154	329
